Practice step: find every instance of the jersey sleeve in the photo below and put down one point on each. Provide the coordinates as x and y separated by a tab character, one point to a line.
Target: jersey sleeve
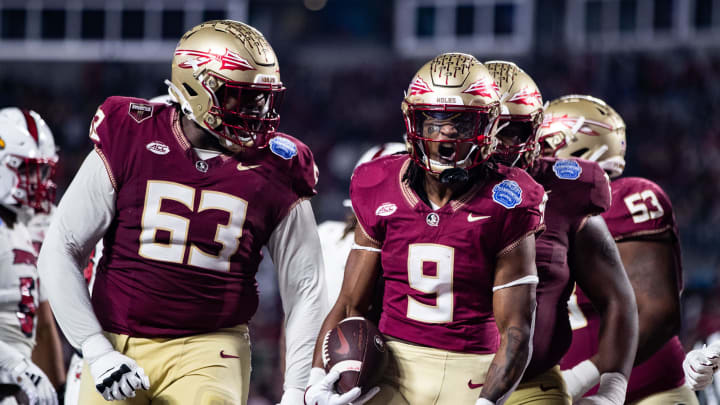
594	195
525	218
640	207
305	172
365	205
111	134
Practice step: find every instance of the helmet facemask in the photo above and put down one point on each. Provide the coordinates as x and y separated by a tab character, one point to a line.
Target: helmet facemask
517	140
29	187
450	137
246	113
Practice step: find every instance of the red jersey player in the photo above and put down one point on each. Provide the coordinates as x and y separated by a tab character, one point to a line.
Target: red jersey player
453	238
642	223
575	245
185	195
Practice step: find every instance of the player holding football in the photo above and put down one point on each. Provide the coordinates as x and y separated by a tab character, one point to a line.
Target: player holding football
576	245
29	345
642	223
453	238
184	196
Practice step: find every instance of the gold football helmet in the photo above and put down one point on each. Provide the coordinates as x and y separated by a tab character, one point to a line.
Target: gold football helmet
584	127
226	78
451	109
521	114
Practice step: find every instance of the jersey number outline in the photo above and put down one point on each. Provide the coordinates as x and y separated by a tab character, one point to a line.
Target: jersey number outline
642	211
153	219
441	284
575	314
26	306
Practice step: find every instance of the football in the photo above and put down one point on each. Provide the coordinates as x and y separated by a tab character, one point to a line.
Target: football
355	348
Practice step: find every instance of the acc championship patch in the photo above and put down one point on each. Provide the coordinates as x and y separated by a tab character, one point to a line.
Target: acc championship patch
567	169
283	147
507	193
140	112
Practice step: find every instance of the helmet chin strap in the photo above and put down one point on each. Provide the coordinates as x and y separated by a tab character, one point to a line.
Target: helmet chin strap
434	164
614	166
177	96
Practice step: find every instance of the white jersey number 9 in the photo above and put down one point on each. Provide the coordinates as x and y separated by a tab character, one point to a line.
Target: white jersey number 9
441	284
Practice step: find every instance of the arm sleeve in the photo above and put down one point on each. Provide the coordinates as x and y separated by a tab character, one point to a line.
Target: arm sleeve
295	249
83	216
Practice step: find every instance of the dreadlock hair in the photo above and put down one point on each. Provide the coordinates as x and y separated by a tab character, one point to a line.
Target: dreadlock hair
415	175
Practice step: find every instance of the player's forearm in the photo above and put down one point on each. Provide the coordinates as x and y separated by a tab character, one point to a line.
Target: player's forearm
83	215
618	337
337	314
515	317
509	363
47	353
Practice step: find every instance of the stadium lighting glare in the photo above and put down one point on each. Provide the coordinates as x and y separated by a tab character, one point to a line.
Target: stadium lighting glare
314	5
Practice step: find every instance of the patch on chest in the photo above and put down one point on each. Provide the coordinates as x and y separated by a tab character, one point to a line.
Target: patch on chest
567	169
140	112
201	166
386	209
283	147
507	193
158	148
433	219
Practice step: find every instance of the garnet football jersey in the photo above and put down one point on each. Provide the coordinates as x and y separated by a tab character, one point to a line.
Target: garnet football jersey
639	207
439	265
181	253
19	288
576	189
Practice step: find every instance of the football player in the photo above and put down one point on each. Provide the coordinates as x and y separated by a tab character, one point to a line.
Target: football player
453	237
25	316
642	223
336	237
184	196
576	245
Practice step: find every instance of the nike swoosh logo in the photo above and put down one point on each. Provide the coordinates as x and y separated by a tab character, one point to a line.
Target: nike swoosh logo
471	218
344	346
473	386
241	168
227	356
552	387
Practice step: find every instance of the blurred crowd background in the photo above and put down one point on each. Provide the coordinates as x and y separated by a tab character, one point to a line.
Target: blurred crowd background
347	63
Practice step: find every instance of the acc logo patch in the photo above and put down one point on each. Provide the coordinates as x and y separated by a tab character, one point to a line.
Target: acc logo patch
386	209
507	193
567	169
140	112
158	148
283	147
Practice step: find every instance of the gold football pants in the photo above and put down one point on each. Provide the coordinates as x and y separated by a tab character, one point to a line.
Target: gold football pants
547	388
419	375
205	369
681	395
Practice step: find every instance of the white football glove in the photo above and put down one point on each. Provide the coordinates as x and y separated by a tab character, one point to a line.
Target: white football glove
611	391
700	365
116	376
22	372
321	392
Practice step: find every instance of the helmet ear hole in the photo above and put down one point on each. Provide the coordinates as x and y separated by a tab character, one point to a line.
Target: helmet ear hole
190	91
578	153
